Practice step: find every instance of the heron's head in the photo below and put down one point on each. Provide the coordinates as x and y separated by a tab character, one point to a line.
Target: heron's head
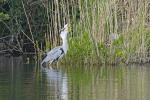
64	31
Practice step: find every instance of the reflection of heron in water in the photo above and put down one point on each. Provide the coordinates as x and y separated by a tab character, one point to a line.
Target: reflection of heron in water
58	52
58	83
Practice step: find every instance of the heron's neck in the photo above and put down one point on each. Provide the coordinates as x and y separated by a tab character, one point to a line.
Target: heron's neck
65	44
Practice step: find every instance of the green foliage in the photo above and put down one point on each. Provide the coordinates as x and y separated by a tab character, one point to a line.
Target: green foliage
48	45
103	49
104	52
80	46
4	17
147	40
1	1
118	42
112	52
119	49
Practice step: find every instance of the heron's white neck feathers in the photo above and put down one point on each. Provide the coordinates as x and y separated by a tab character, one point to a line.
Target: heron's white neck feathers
63	35
65	44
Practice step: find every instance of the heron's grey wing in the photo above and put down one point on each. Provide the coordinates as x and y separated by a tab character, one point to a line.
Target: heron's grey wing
53	55
50	52
53	50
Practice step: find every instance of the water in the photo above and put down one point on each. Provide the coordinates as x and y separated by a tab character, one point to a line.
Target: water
20	81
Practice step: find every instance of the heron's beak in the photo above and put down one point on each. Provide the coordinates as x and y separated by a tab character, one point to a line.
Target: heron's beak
67	26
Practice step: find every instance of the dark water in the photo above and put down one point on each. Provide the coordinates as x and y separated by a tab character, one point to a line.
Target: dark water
20	81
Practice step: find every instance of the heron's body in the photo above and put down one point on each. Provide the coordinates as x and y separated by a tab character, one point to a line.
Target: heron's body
58	52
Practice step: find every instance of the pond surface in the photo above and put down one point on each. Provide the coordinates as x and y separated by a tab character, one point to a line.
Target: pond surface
20	81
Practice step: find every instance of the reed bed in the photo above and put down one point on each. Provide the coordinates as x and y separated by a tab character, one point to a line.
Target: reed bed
92	23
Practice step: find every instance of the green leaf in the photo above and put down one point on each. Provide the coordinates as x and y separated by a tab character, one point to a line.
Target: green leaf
4	17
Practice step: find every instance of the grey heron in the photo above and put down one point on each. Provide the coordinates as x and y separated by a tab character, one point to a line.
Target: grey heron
58	52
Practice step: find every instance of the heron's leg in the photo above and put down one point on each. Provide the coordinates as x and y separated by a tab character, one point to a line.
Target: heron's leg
57	64
49	66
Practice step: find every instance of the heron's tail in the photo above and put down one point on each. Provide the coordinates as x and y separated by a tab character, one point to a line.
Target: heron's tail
43	64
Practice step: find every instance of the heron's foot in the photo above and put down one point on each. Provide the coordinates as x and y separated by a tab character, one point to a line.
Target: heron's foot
57	64
50	67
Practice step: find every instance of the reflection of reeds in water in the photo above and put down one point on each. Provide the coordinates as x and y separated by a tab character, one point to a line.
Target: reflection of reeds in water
8	62
109	83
